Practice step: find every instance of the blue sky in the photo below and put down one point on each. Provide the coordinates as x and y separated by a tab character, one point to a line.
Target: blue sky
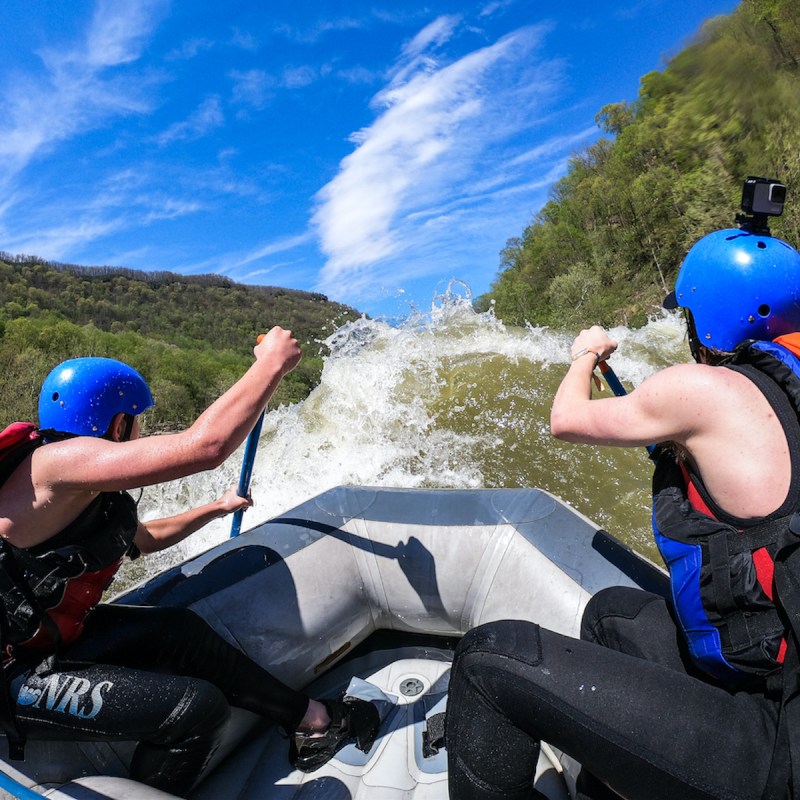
371	152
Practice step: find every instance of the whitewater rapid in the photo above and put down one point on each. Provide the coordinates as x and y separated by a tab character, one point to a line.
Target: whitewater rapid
452	399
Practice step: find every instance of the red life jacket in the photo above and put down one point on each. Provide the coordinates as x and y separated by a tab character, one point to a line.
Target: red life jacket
48	590
721	574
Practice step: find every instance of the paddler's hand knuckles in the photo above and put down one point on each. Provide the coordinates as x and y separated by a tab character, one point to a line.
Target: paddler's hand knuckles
279	343
595	339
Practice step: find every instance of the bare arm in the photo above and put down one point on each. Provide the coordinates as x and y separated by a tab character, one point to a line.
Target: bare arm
664	408
93	464
159	534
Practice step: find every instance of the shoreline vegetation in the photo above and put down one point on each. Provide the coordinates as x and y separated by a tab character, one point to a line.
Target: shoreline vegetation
607	246
190	336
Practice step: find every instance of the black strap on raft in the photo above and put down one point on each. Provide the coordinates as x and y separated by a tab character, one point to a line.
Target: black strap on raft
433	735
8	720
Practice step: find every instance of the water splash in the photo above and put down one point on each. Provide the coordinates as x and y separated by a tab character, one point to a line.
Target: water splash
451	398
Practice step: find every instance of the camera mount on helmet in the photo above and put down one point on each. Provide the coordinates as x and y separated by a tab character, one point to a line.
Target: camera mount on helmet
741	283
762	198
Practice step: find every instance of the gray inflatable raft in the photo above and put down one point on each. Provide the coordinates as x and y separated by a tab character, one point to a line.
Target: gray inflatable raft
368	589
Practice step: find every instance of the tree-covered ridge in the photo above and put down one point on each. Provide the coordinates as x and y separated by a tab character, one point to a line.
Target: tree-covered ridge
191	337
608	244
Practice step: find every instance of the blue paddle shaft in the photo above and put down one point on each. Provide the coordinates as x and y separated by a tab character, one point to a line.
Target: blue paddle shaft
612	380
247	472
16	789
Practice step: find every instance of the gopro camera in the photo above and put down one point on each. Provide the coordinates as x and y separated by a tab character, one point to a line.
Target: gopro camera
761	198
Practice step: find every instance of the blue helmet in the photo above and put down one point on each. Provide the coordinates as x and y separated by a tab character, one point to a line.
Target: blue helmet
738	286
82	395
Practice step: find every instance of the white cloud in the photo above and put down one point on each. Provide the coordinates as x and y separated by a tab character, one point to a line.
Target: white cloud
205	118
269	249
244	40
438	124
80	87
557	144
492	8
435	34
119	30
358	75
311	34
170	208
190	49
57	241
231	263
252	88
299	77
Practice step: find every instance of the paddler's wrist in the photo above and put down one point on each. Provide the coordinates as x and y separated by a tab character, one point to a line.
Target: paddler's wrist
580	355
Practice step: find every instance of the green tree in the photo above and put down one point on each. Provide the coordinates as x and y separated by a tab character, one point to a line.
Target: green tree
608	244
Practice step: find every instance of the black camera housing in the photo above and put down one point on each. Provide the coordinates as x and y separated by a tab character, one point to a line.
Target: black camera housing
761	198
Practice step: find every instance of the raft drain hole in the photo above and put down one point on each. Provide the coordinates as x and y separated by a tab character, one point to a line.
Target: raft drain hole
411	687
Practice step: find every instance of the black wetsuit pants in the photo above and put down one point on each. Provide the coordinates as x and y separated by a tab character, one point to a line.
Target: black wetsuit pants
160	676
624	701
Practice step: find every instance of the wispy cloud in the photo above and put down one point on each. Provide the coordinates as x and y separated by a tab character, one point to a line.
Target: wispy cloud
207	117
233	263
252	88
244	40
437	122
299	77
313	32
555	145
79	87
495	7
119	31
433	35
269	249
56	241
190	49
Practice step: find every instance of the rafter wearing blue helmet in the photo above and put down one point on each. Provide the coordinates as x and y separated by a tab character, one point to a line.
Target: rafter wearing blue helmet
81	397
66	524
737	286
694	690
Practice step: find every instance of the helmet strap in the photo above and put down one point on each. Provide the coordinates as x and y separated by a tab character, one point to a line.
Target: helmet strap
695	347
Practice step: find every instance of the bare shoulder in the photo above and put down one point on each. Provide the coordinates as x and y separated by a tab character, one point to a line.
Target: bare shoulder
698	383
701	403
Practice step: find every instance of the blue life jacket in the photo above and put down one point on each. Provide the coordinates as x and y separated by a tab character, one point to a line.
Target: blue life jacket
721	574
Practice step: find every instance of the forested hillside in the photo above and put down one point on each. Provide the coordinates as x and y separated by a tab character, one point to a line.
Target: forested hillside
191	337
607	246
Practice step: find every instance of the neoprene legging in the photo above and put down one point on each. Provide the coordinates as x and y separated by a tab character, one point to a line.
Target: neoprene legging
622	702
160	676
